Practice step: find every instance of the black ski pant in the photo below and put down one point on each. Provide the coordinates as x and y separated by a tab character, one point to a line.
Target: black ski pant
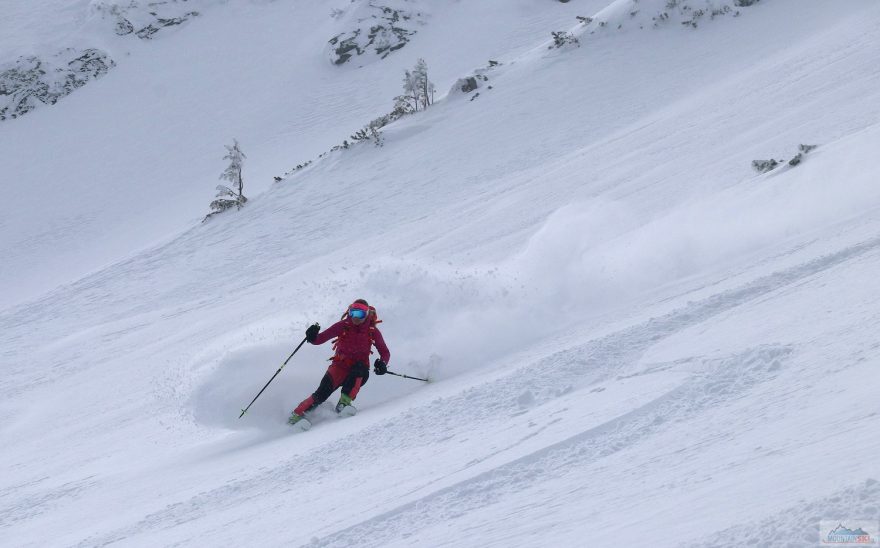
350	378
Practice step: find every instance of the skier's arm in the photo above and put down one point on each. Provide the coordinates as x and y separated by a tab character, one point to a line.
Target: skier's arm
331	332
384	353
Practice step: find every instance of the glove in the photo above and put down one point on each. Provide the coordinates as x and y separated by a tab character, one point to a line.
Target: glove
380	367
312	332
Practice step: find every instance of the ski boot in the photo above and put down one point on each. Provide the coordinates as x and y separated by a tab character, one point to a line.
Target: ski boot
344	408
299	422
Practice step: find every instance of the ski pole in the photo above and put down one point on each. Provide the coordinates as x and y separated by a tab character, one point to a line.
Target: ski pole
243	411
406	376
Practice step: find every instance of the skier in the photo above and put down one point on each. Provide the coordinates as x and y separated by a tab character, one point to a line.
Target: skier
356	333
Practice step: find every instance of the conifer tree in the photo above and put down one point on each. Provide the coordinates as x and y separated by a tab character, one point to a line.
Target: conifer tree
226	197
424	87
232	173
411	89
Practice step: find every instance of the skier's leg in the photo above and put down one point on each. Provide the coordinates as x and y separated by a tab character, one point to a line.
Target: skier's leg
328	385
356	378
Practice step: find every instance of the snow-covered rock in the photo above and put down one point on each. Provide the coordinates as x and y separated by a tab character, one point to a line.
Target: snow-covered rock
33	81
381	27
144	18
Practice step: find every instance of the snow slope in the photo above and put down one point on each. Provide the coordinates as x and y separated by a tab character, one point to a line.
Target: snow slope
634	338
157	123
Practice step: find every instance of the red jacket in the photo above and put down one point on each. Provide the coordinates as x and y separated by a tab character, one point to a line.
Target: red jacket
355	341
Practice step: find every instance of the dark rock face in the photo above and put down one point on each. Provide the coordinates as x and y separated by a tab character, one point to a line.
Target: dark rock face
123	26
468	84
382	33
147	32
144	18
31	81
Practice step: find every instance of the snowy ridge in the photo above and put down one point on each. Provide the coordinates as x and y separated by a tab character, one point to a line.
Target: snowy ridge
390	36
622	14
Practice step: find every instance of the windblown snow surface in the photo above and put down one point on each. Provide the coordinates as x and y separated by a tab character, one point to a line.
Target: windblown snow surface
633	338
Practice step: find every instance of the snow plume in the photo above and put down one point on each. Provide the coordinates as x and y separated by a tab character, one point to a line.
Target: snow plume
592	256
584	262
445	320
563	263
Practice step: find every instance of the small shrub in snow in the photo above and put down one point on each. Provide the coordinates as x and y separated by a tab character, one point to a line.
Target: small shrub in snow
695	16
226	197
418	93
563	38
799	157
299	167
763	166
690	12
806	149
717	12
369	133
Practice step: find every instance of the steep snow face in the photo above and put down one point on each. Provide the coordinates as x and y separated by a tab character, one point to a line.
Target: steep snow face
623	321
42	74
134	157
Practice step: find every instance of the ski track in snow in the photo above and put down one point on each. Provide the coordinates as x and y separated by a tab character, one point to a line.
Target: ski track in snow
534	423
718	383
22	508
713	383
798	526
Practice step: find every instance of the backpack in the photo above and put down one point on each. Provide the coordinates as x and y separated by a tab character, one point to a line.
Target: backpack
372	317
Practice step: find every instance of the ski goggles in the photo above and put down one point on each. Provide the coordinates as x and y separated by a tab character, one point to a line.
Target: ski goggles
358	313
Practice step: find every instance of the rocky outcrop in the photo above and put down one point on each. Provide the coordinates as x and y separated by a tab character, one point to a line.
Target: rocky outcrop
31	81
144	19
382	31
